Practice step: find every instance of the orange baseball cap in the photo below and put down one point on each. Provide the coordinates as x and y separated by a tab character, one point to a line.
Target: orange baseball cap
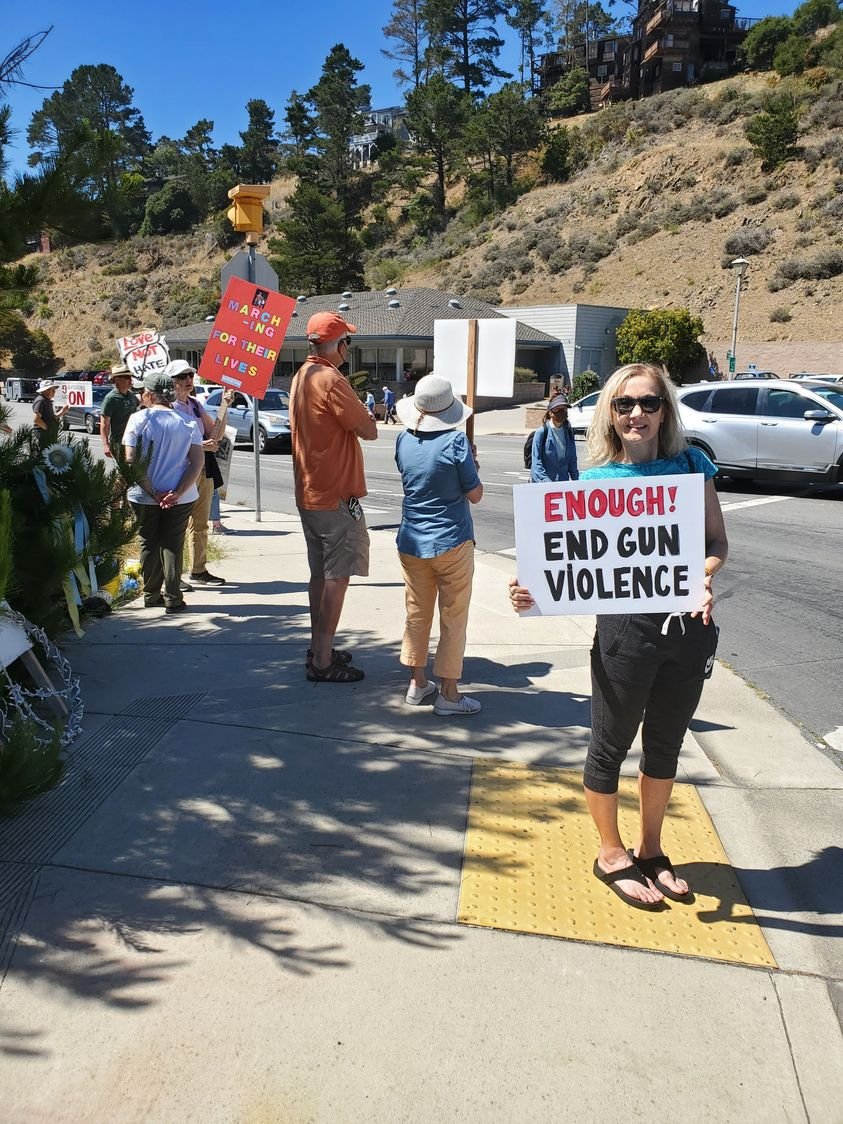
324	326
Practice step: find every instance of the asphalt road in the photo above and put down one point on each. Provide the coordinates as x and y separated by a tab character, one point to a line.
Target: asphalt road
778	600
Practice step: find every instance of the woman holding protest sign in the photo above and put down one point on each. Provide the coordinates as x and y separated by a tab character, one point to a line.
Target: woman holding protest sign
647	667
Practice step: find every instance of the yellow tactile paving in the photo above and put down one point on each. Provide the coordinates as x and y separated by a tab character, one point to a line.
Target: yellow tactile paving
530	846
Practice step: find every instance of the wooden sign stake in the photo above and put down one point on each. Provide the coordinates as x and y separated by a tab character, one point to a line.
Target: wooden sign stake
471	378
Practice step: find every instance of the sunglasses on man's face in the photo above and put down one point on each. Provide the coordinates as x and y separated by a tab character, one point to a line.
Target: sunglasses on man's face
649	403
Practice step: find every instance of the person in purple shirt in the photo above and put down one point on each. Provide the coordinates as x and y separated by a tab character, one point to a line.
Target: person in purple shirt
436	540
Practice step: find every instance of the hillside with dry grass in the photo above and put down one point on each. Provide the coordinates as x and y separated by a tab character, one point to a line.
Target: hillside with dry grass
670	192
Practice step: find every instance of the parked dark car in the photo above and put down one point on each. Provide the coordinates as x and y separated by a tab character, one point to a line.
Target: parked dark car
87	416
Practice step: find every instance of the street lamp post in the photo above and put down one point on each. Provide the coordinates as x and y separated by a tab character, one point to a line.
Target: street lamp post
740	266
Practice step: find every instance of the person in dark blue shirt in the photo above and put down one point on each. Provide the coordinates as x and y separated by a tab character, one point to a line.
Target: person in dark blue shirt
389	406
436	540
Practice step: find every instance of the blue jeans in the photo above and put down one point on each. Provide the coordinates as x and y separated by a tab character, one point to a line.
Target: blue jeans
214	513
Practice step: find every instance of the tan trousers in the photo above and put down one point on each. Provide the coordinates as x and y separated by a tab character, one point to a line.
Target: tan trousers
448	576
197	527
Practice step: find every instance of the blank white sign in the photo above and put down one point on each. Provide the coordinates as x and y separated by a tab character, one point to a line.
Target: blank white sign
495	355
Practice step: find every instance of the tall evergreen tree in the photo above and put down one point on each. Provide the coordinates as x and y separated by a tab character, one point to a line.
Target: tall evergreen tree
259	152
316	253
464	42
408	31
532	21
299	137
437	113
580	21
338	102
511	124
97	98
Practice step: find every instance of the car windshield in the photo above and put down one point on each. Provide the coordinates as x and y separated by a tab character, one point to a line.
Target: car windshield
835	397
275	400
100	392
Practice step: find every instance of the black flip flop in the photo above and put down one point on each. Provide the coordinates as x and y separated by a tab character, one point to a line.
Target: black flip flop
610	877
661	862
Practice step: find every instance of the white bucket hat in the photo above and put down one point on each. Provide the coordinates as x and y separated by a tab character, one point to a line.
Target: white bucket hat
432	407
46	384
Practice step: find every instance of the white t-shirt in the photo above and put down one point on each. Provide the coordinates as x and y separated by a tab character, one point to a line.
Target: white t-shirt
171	437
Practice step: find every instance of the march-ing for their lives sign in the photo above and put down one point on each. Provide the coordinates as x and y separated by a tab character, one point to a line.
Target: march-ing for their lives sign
633	545
74	394
246	337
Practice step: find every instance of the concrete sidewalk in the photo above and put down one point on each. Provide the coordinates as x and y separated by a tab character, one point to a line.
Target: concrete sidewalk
240	904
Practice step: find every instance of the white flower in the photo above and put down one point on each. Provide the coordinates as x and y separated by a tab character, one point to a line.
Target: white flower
58	458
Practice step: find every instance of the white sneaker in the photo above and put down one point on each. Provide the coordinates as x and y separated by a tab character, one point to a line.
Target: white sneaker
418	696
464	706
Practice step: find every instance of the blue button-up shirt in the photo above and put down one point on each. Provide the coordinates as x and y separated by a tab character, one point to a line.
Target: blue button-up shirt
437	469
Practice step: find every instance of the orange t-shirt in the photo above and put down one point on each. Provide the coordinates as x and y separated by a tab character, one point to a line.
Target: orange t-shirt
327	459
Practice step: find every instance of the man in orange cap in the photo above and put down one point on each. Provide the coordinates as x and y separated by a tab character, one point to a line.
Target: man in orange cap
326	418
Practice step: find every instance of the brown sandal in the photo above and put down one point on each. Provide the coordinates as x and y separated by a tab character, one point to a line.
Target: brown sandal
338	655
335	673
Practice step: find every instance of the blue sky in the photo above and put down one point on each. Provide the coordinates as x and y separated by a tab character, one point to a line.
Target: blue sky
186	60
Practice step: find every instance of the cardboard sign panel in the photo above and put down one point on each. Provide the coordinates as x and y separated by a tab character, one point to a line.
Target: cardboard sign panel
144	353
619	545
246	337
74	394
495	355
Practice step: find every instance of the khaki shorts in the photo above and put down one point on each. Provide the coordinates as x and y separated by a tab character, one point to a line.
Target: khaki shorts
337	543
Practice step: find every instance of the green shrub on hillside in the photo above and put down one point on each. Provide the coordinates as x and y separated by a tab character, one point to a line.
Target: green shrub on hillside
774	132
172	210
750	240
827	263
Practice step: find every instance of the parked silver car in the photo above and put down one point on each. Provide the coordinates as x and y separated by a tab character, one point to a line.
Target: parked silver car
581	413
777	429
273	418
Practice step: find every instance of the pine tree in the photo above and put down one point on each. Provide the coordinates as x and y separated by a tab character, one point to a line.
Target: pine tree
437	113
338	102
316	252
464	42
531	20
259	153
408	31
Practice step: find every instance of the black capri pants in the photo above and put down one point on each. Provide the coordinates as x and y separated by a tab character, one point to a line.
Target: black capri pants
637	673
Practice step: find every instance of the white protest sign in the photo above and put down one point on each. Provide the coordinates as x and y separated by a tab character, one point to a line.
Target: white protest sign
495	355
618	545
224	454
74	394
144	353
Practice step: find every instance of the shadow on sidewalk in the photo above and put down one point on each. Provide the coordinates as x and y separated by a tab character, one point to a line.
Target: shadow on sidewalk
813	887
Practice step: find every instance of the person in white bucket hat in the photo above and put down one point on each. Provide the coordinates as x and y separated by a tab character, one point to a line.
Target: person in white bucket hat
436	540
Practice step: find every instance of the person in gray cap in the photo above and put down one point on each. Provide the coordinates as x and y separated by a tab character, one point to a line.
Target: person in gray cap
554	446
164	498
44	414
117	407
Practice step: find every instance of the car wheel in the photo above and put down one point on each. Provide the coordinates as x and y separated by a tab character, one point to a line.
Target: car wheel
90	423
263	443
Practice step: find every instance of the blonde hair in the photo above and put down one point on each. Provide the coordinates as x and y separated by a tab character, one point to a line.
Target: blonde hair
604	445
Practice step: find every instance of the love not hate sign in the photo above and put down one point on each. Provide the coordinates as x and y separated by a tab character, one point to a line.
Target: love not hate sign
246	338
632	545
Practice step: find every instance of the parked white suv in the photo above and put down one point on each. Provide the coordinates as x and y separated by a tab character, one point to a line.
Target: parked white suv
777	429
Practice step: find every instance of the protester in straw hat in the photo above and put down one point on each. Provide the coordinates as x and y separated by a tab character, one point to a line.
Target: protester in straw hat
45	417
117	407
436	540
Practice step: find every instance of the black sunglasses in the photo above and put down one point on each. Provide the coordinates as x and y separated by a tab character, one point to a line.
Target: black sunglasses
649	403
